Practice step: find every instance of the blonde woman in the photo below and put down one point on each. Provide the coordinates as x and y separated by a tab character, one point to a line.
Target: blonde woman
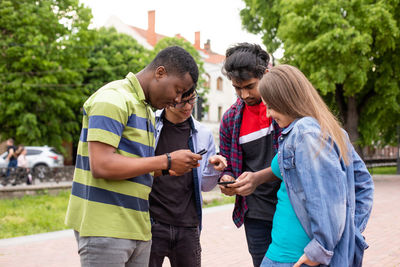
326	194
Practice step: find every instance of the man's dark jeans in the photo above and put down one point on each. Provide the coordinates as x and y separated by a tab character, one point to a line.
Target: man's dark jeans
258	235
180	244
11	164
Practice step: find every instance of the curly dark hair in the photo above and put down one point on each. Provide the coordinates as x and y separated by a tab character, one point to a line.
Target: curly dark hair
245	61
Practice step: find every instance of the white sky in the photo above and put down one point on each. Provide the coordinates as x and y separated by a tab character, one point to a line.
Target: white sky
217	20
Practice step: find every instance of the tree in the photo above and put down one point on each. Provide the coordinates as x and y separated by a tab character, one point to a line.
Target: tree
202	89
44	48
352	60
113	56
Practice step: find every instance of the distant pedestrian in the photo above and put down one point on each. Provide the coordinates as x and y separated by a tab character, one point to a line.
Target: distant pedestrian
11	158
23	163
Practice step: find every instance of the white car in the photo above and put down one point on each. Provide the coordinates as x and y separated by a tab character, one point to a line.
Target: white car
40	158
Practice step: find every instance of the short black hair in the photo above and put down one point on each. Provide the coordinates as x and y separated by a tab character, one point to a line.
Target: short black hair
245	61
189	92
176	60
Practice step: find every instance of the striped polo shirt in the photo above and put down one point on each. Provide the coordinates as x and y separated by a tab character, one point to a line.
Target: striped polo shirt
117	115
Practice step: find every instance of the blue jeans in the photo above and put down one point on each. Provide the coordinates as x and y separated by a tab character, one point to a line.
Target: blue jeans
270	263
98	251
180	244
258	236
11	164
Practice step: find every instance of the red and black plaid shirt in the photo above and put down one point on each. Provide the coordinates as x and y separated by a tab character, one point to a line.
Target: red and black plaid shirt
230	148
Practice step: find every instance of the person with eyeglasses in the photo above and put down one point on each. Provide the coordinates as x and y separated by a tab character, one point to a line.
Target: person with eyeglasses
108	206
176	204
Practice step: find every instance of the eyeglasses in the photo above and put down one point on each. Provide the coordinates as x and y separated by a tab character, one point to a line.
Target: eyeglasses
183	103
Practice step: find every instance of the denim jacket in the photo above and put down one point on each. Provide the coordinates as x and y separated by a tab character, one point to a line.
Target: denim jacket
332	201
205	177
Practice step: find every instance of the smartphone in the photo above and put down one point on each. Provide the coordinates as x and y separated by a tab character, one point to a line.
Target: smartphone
202	152
226	182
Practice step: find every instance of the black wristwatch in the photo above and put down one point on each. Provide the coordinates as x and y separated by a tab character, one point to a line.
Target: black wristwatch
166	171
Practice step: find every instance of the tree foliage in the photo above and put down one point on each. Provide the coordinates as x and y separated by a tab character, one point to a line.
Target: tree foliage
51	62
113	56
44	48
350	50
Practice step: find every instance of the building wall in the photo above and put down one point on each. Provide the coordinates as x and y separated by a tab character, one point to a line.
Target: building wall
218	101
121	27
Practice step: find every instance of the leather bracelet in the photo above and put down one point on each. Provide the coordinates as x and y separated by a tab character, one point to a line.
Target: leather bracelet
166	171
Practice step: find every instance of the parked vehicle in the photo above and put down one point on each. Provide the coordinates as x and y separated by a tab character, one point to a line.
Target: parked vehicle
40	159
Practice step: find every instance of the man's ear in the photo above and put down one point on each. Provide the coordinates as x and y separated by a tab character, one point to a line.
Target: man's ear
160	72
266	71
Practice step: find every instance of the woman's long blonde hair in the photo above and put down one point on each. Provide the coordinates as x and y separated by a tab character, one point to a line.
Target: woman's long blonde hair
286	90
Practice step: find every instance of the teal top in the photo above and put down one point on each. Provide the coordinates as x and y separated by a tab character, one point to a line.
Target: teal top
288	236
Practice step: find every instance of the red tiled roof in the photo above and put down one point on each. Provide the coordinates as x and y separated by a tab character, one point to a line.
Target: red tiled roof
143	33
213	58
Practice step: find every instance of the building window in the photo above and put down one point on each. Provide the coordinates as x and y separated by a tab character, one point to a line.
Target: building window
219	113
219	84
207	80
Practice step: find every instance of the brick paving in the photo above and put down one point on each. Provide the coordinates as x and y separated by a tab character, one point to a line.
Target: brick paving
222	243
383	229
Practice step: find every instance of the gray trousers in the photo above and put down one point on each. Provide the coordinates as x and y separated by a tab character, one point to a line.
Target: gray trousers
97	251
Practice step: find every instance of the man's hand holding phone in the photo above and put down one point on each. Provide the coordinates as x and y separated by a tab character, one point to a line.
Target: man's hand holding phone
247	182
226	180
183	161
202	152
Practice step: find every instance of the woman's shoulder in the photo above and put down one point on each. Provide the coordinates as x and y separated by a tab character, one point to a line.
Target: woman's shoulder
307	125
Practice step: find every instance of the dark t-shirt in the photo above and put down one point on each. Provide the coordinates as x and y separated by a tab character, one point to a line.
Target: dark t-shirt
172	198
262	201
8	150
256	141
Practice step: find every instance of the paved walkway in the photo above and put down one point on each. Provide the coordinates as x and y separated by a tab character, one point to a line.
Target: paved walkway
223	244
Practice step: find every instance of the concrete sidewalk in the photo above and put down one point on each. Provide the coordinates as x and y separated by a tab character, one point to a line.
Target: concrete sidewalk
222	243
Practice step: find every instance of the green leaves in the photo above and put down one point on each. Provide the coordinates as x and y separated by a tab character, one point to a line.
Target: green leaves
44	49
112	57
348	49
50	63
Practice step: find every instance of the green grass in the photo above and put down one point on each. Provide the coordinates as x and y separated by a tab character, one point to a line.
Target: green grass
45	213
33	214
219	201
383	170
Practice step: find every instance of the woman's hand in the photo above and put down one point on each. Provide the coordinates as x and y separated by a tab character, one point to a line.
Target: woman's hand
304	260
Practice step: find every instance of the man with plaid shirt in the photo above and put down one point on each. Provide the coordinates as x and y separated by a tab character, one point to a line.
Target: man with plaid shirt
248	140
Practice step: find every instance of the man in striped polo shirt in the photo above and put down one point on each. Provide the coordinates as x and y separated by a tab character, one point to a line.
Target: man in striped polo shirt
108	207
